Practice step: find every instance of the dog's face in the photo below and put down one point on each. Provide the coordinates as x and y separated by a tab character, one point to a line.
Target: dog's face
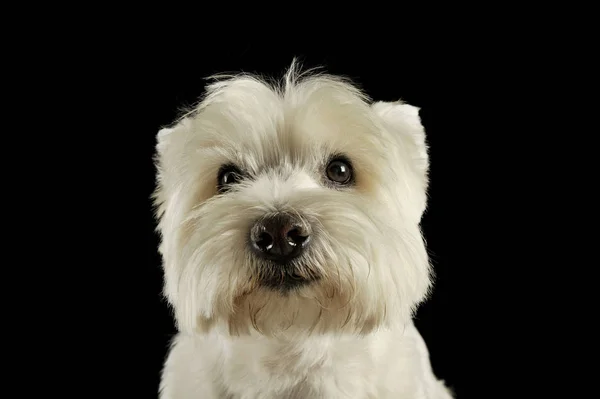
292	208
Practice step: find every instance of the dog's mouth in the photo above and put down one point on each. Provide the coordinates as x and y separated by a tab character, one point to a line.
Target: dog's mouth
285	277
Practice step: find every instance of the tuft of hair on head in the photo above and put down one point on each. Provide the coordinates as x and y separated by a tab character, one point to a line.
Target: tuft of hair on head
293	76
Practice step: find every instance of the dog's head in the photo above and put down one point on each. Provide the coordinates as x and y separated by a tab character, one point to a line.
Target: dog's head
292	206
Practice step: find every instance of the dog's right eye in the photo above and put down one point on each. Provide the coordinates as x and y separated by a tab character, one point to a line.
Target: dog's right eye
228	175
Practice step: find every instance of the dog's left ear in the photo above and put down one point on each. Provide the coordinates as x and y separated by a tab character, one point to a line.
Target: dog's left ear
404	120
162	138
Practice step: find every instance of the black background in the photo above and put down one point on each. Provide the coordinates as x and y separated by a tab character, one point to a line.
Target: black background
158	78
94	85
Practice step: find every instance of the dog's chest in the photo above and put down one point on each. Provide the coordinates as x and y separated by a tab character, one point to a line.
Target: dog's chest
318	369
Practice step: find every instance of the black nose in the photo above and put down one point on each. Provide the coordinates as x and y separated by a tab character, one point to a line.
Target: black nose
280	237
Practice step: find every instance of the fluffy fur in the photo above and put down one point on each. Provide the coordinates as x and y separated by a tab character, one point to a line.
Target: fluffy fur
346	334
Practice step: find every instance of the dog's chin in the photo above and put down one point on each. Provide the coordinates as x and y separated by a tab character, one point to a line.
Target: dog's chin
294	298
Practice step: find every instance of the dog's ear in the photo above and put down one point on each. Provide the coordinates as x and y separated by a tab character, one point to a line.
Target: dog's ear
403	119
162	138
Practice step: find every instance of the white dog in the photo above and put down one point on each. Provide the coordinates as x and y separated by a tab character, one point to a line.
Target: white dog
289	213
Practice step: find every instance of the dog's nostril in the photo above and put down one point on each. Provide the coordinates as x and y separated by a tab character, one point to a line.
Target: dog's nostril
265	241
295	237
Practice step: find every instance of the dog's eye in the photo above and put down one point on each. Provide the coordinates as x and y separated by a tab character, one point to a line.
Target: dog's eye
339	171
228	175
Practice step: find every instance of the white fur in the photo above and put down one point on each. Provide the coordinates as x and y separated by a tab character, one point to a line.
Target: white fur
348	334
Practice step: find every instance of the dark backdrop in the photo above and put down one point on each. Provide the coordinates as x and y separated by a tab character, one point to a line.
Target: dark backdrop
162	77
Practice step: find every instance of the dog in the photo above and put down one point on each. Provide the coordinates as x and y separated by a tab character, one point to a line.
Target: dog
289	214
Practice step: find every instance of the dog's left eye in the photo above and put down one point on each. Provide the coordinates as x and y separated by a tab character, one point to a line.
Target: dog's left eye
339	171
228	175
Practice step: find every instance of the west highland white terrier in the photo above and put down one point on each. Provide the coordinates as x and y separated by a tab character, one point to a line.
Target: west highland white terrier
289	213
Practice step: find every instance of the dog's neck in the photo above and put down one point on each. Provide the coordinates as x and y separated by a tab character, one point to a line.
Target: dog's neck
311	361
293	364
292	351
